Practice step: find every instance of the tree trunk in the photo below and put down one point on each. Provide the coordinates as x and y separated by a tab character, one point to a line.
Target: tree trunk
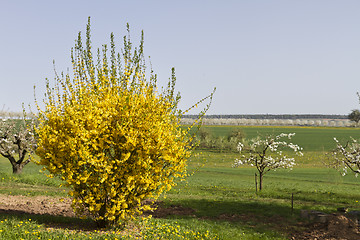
102	223
261	174
17	168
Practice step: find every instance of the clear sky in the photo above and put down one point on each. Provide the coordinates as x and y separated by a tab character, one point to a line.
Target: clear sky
263	56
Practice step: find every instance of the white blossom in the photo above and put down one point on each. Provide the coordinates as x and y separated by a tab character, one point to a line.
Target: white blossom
267	154
347	156
17	140
240	147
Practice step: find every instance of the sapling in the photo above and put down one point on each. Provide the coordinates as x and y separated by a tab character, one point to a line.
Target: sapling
267	154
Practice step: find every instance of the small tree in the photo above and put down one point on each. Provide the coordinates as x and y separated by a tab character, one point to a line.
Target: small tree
17	142
266	154
237	134
111	134
354	116
205	139
347	156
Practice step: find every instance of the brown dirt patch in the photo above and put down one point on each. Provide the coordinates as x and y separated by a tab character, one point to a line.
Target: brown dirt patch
36	205
44	205
338	227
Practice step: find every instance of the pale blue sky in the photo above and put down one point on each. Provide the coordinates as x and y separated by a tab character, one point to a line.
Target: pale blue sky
263	56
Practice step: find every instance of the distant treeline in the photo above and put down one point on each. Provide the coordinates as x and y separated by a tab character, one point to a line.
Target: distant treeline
270	116
4	114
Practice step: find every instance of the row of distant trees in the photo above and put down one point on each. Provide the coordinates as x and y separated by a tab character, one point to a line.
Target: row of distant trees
350	120
273	122
353	120
6	114
272	116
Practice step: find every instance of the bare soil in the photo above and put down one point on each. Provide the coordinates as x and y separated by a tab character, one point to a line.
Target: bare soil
338	227
36	205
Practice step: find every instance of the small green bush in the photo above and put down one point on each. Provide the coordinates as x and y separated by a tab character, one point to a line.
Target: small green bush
207	140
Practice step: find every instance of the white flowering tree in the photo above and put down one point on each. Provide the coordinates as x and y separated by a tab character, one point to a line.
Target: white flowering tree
347	157
267	154
17	142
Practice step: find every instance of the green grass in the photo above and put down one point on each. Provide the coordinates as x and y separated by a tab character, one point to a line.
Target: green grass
34	227
30	183
309	138
224	202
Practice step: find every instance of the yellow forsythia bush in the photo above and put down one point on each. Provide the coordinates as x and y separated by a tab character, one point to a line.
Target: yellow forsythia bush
111	134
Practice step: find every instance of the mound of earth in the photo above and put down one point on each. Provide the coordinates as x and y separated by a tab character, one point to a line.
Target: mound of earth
338	227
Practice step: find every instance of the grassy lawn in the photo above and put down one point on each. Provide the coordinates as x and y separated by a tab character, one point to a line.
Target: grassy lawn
222	199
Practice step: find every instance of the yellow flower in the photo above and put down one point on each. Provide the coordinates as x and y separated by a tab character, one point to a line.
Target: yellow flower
112	135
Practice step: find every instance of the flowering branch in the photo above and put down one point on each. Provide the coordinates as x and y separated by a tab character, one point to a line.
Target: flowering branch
347	157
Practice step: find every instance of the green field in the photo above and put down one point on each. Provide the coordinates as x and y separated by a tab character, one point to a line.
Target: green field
220	200
310	138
